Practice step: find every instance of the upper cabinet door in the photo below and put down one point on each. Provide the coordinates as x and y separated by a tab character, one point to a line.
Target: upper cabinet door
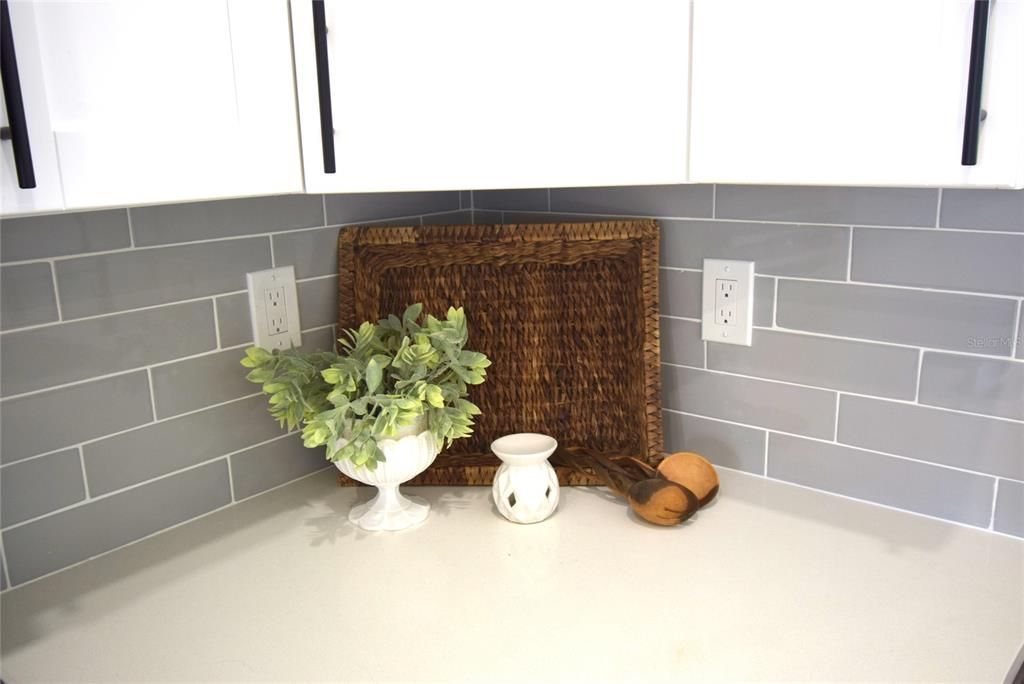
457	94
34	184
853	92
168	100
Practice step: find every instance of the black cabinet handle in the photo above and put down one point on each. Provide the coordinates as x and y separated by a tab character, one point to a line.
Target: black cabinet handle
323	82
972	119
17	131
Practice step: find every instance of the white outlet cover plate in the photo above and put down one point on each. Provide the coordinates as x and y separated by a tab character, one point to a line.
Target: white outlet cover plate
274	280
740	276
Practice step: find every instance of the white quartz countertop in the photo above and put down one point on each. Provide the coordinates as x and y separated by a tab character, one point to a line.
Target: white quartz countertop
771	582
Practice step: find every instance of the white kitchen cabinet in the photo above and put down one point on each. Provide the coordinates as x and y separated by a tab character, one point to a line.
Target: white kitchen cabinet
852	92
152	101
461	94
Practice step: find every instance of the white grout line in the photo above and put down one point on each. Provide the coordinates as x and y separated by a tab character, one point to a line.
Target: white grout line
908	402
938	210
131	228
323	204
995	498
56	293
714	200
152	395
917	379
767	439
85	478
1018	332
231	479
844	445
849	258
216	322
7	571
273	262
835	432
775	301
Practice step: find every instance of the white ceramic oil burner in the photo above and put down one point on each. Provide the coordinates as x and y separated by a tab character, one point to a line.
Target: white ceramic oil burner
525	487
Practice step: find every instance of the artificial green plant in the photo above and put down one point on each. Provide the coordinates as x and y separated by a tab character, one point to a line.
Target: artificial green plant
388	376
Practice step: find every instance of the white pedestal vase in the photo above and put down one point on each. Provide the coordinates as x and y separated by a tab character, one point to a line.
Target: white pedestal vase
525	488
407	455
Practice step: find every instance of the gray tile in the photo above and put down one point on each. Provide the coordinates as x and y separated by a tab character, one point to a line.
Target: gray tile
681	342
487	217
233	319
534	199
318	302
802	251
168	223
920	487
931	319
50	420
145	277
942	259
268	465
974	384
40	237
549	217
983	209
463	217
642	200
868	206
311	252
956	439
26	295
40	485
318	340
161	448
67	352
724	444
201	381
680	295
800	410
358	207
3	575
1010	508
465	199
65	538
860	367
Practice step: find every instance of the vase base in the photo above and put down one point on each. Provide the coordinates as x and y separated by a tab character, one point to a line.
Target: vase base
390	513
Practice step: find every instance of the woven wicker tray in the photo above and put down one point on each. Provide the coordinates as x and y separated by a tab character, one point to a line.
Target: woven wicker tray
568	313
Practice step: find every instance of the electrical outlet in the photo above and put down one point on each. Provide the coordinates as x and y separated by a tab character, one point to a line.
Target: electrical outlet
728	301
274	308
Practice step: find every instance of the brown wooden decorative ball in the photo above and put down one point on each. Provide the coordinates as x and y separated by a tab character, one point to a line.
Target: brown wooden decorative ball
662	502
693	472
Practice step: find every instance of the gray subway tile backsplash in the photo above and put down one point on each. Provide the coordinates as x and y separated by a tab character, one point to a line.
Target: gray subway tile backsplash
27	296
56	354
169	223
681	342
360	207
46	421
970	383
106	283
269	465
312	252
40	485
233	320
977	443
847	206
980	209
689	201
59	540
529	199
153	450
941	259
784	250
318	302
760	403
724	444
56	235
847	365
942	320
200	381
910	485
1009	517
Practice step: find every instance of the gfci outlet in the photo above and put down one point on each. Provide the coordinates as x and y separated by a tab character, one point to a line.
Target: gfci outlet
274	308
728	301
